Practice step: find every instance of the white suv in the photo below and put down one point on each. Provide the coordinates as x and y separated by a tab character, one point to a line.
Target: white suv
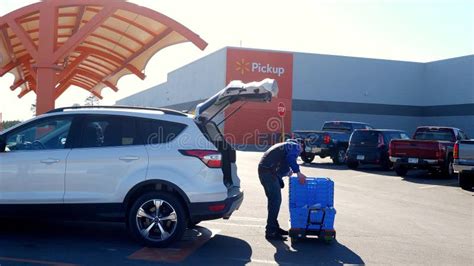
158	170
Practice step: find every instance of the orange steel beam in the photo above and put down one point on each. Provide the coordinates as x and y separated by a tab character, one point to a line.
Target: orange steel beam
87	88
61	89
117	54
84	32
46	67
110	85
70	68
23	93
89	74
94	64
117	61
27	65
24	38
79	17
8	67
17	84
89	67
111	59
8	44
84	80
132	69
76	25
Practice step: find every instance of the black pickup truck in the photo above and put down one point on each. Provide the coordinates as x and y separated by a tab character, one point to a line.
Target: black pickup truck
332	140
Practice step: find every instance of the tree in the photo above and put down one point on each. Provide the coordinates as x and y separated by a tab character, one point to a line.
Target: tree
33	109
7	124
91	101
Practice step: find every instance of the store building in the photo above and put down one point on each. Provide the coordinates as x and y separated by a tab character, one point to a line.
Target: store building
315	88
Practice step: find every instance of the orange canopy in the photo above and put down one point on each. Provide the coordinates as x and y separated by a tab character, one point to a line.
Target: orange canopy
54	44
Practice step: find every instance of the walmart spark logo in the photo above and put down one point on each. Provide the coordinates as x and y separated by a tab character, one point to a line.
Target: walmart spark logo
243	66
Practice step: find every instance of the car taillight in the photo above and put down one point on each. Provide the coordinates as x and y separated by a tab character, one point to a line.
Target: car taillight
381	142
213	159
456	151
327	139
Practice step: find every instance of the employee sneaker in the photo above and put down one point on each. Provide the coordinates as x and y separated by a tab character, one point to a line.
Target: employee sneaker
275	236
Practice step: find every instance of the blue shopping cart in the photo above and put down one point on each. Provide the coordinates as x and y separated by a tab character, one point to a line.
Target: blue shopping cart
312	211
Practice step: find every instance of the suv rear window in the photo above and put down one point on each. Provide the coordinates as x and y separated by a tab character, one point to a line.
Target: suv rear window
365	136
159	131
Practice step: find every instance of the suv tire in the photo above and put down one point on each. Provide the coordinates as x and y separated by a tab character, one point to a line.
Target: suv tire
353	164
340	156
401	170
307	158
464	181
157	219
448	169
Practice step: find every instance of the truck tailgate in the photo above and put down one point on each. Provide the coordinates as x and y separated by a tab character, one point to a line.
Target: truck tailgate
414	149
466	150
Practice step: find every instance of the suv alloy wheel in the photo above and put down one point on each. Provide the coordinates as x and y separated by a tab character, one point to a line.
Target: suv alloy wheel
157	219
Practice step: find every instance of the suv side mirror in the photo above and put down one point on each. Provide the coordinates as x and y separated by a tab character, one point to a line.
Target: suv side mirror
3	144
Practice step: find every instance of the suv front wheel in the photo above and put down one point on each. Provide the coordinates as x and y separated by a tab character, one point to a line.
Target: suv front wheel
157	219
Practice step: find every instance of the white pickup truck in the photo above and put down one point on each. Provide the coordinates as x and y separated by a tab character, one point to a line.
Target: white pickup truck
464	163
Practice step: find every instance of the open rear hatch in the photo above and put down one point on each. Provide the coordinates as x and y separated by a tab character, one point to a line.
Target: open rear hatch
208	111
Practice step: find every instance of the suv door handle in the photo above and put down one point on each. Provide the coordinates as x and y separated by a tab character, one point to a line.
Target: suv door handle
49	161
129	158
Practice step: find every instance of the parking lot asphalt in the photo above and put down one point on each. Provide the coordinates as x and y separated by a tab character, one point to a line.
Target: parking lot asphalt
381	219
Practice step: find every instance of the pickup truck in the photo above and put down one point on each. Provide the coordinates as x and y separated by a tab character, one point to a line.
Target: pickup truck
431	148
464	163
332	140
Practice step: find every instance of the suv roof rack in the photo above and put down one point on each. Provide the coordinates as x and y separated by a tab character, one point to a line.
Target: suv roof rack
164	110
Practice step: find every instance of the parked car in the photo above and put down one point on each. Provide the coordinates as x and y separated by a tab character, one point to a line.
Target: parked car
464	163
431	148
158	170
370	146
332	140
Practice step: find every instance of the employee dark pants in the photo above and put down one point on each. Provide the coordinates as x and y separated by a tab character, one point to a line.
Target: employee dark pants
272	188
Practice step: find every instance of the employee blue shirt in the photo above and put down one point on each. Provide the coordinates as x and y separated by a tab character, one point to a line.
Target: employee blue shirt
281	157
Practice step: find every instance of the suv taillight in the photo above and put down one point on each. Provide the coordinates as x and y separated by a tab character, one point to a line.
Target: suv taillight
381	141
212	159
456	151
327	139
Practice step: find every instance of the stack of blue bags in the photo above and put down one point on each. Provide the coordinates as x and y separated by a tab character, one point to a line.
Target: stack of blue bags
316	194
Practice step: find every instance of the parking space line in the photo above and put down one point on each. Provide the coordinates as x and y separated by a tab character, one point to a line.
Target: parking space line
42	262
178	252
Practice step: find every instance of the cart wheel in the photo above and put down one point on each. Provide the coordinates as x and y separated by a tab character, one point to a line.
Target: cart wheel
295	240
327	236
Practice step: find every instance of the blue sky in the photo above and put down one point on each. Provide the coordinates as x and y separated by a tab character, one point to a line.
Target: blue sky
416	30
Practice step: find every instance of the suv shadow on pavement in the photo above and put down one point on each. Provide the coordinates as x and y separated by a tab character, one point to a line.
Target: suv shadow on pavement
99	243
312	251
